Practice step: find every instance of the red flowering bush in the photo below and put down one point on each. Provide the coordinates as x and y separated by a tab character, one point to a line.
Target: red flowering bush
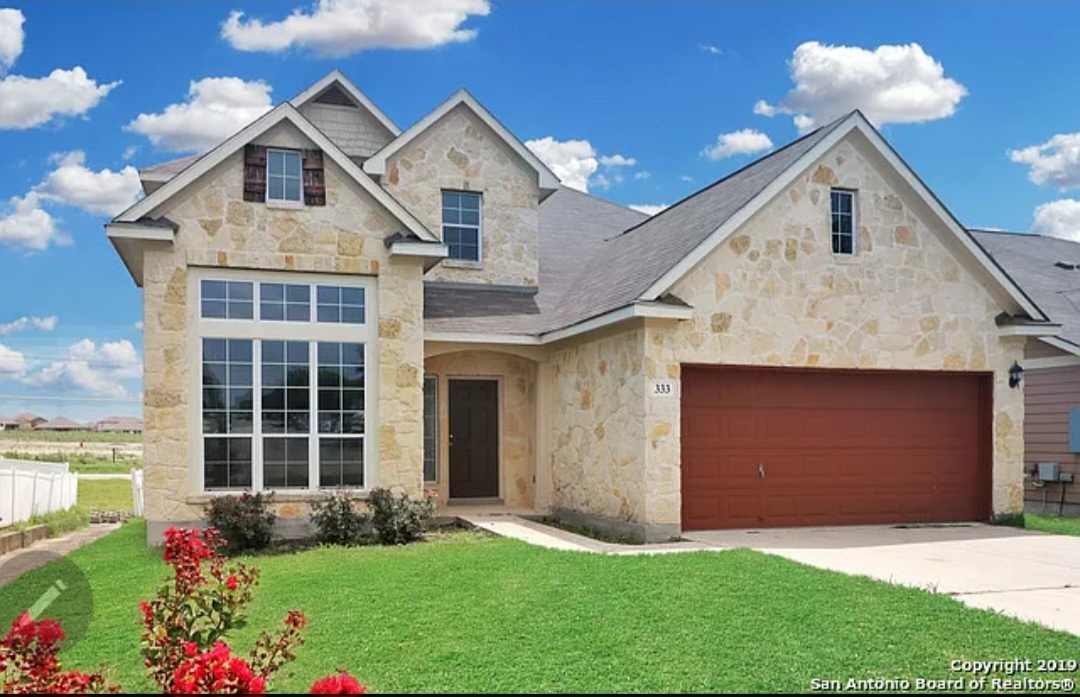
28	663
183	641
340	684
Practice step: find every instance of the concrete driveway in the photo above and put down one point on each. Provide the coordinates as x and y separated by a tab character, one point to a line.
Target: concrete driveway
1028	575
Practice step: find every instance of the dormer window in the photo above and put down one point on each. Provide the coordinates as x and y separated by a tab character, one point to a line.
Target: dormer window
284	176
461	225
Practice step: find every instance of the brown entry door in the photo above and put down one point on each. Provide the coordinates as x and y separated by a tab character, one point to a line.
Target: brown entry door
785	448
474	439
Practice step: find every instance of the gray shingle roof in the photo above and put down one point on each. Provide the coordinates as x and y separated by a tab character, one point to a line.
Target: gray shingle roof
1030	262
624	268
164	171
573	228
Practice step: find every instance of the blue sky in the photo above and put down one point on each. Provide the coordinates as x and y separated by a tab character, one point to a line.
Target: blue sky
593	85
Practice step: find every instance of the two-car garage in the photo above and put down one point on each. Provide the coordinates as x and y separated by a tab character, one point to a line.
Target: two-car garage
764	447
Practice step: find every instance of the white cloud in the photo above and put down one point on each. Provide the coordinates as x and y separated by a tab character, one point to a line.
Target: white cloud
129	152
138	326
91	369
1059	218
338	28
642	175
686	178
743	142
29	225
649	209
216	108
27	102
572	161
710	49
45	324
891	84
105	192
12	363
11	37
1054	163
617	161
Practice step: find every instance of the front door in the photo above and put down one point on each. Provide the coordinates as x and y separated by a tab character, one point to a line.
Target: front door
474	439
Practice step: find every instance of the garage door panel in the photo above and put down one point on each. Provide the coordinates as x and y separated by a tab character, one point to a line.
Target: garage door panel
836	447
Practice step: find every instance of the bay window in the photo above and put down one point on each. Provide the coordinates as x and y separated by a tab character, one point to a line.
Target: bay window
286	398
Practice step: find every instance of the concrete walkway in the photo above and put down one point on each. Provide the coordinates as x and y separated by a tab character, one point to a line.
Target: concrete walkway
57	545
1029	575
553	538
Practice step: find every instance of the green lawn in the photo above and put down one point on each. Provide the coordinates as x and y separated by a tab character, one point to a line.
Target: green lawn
1058	526
73	436
98	495
494	615
85	463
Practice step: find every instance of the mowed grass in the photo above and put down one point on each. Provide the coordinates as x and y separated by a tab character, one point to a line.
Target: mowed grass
1058	526
84	463
471	613
105	495
72	436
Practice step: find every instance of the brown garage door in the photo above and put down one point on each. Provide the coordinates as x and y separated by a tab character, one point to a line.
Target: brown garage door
778	448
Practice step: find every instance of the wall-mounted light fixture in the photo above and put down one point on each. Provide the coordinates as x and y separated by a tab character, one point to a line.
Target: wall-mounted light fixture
1016	373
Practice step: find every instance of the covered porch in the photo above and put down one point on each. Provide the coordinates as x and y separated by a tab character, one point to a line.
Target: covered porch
481	415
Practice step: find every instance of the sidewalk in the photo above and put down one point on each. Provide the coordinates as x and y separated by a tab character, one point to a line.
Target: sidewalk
57	545
554	538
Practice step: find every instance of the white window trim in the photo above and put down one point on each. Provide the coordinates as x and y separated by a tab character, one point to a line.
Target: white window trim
854	220
284	202
311	332
465	263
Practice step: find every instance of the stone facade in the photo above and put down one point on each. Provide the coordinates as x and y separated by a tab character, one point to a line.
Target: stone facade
459	152
775	294
517	418
597	416
218	229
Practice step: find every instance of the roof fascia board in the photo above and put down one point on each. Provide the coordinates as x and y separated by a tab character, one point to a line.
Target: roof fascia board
1048	330
483	338
149	233
655	310
855	121
283	112
336	76
376	164
420	249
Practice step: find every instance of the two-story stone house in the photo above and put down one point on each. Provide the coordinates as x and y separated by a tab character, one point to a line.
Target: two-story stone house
333	302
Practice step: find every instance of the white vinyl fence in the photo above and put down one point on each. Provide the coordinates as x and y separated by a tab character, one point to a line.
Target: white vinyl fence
29	489
137	492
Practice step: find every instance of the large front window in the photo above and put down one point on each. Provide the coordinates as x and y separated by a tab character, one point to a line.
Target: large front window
286	393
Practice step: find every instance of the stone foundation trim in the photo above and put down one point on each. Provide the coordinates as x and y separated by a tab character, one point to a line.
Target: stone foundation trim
640	532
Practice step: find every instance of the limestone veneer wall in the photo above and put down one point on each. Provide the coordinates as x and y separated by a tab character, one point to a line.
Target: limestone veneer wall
517	419
774	294
459	152
597	421
219	229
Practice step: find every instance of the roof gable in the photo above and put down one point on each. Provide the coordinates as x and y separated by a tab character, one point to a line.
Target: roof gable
376	164
335	88
646	261
283	113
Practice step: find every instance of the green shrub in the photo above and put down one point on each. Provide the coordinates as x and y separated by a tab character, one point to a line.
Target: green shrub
1012	520
336	521
244	521
398	520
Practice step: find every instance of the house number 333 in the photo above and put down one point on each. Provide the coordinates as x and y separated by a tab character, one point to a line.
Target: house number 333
663	388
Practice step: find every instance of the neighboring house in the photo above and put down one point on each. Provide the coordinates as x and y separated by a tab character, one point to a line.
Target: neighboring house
9	424
27	421
60	423
330	301
119	424
1048	268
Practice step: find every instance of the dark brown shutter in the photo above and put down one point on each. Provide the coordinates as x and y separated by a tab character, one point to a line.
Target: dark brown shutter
314	178
255	173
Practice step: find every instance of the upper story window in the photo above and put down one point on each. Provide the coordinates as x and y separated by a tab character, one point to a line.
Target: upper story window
283	302
284	176
461	224
842	208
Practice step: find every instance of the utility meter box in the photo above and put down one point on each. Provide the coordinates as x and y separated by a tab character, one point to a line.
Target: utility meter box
1049	472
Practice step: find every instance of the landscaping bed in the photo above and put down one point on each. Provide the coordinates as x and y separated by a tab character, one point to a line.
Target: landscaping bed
464	612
